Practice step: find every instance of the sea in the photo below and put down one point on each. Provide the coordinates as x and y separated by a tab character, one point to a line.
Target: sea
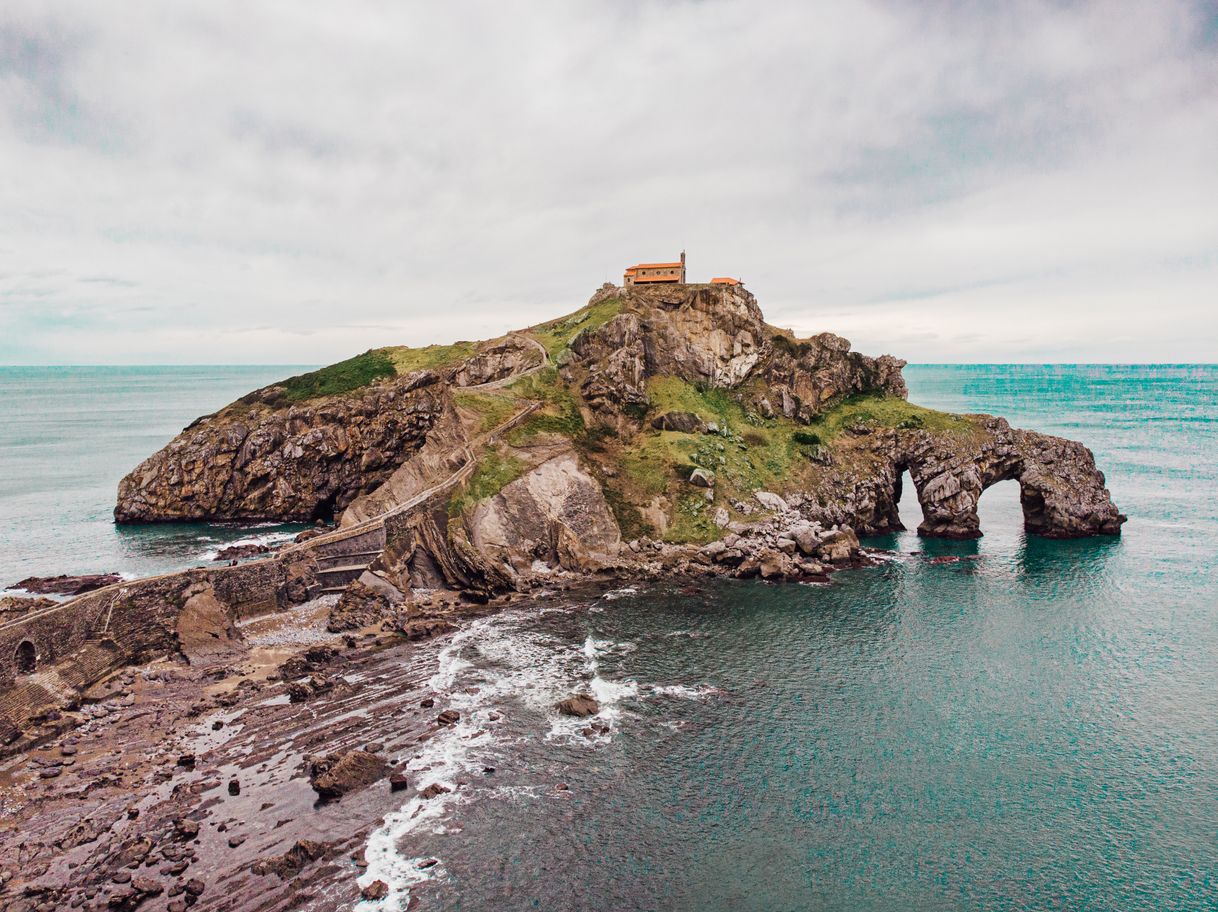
1026	725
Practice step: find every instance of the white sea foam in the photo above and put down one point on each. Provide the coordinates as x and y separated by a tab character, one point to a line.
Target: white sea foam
268	538
505	658
684	692
614	594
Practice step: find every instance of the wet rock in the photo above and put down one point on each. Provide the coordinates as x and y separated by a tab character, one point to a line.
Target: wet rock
291	862
427	702
433	790
398	781
239	552
66	585
423	628
448	717
338	775
375	891
186	828
234	787
579	705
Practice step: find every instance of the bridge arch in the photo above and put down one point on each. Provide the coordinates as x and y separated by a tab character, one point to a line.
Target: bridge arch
25	657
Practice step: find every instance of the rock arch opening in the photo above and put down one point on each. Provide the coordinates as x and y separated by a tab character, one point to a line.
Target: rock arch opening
26	657
905	498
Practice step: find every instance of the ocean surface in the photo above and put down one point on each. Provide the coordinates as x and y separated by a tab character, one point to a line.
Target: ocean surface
1034	726
68	434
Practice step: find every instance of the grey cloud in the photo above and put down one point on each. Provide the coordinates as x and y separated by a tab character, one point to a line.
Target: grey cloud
253	181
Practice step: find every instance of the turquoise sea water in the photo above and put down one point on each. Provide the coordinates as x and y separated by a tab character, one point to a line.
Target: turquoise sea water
1032	727
68	434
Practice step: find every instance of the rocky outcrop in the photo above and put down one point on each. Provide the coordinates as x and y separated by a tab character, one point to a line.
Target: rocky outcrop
714	335
555	514
803	376
299	462
66	585
499	361
1062	492
339	774
443	452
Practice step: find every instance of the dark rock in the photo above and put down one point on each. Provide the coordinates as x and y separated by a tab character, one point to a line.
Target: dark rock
234	787
237	552
398	782
375	891
67	585
433	790
579	705
685	422
337	775
448	717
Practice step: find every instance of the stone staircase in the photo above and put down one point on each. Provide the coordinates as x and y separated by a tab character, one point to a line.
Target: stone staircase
342	560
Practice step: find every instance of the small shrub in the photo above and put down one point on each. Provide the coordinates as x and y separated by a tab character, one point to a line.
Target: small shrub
806	438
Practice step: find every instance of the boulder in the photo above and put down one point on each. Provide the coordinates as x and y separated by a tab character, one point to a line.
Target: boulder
838	545
685	422
771	501
338	775
579	705
702	478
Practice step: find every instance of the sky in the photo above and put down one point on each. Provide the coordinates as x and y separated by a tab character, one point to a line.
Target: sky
294	182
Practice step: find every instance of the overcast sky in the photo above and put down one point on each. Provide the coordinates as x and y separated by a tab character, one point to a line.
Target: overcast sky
294	182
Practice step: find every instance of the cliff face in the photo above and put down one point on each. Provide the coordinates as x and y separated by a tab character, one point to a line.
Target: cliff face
301	462
715	336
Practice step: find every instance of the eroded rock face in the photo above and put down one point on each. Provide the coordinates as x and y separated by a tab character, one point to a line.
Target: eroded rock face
714	335
300	462
1062	491
556	514
514	355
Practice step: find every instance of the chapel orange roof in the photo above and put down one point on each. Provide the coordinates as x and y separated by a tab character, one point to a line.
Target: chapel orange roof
653	266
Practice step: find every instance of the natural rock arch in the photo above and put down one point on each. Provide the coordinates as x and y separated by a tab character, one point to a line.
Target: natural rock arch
1061	491
26	657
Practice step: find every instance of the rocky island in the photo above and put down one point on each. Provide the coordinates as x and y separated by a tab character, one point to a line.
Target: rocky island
662	430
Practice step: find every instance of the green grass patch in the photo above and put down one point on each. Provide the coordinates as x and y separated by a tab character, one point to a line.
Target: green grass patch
559	415
342	377
429	357
691	522
557	334
884	412
495	470
493	408
672	394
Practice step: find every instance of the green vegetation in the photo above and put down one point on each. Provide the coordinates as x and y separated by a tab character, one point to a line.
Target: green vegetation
557	334
887	412
494	408
691	522
559	415
429	357
339	378
495	470
358	372
671	394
